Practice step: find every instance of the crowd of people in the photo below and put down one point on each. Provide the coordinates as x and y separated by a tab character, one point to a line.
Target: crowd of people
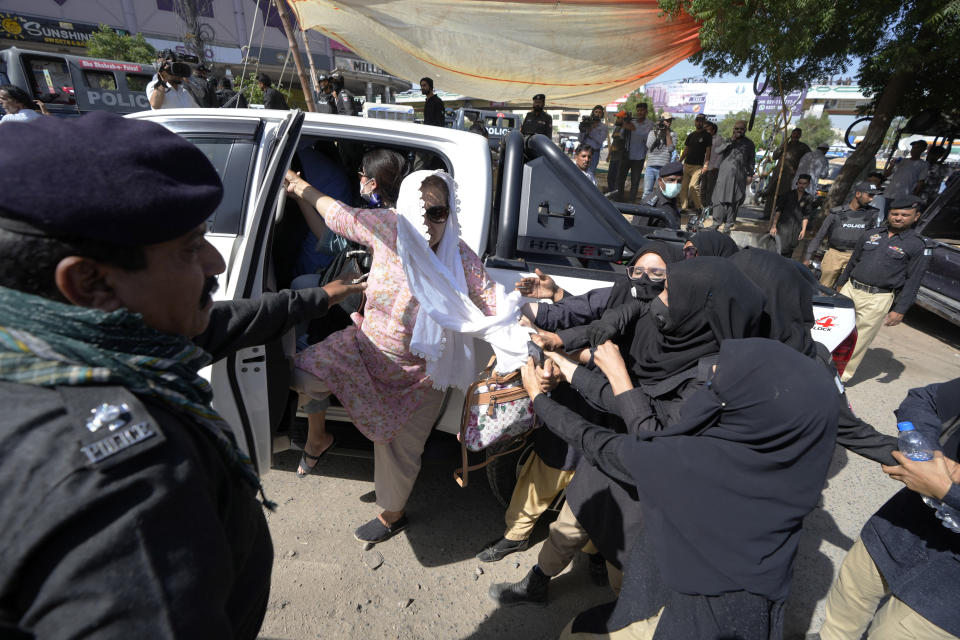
675	405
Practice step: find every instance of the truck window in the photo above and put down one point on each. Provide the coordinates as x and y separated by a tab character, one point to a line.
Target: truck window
50	78
231	158
137	82
946	224
100	80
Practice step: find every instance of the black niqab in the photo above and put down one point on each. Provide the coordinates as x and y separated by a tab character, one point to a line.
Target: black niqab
645	289
788	312
713	243
727	487
709	301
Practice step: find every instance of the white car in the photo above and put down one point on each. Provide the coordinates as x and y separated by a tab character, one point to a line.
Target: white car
538	212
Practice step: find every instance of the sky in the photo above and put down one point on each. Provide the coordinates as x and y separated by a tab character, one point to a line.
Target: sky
687	70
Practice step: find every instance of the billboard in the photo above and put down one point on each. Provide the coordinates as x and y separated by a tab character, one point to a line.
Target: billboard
718	98
17	26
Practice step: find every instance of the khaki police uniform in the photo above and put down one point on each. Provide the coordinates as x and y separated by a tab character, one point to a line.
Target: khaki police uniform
883	273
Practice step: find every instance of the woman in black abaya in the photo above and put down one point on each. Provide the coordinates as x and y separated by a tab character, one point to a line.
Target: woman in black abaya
708	242
788	317
724	490
668	360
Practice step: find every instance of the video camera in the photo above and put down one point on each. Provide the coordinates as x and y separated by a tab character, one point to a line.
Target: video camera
176	63
587	122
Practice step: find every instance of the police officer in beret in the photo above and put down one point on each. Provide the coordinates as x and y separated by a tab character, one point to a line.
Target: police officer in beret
843	227
537	120
884	274
128	509
664	197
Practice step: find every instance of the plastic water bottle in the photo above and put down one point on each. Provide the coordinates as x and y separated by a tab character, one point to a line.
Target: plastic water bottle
914	446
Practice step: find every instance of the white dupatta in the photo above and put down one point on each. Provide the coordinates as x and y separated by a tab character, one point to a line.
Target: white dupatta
448	321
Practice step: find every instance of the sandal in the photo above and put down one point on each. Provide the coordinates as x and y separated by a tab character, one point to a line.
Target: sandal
310	466
376	531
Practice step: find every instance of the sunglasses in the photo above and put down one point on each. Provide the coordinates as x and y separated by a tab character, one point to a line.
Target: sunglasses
656	274
438	213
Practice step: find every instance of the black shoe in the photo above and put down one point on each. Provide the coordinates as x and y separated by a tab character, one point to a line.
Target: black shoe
598	570
531	590
501	549
375	531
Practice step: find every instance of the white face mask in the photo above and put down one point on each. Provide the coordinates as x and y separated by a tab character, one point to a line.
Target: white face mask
671	189
367	194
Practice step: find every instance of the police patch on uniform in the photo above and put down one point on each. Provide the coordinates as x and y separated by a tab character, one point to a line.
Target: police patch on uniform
117	441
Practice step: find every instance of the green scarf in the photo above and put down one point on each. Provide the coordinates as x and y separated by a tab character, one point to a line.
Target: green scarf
48	343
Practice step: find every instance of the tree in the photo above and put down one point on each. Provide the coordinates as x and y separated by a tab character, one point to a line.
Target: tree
908	49
816	130
107	43
254	94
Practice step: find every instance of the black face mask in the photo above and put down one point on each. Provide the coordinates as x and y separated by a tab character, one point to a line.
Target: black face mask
661	314
647	289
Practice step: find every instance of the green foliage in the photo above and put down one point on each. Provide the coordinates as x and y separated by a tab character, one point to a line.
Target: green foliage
636	98
807	40
925	43
816	130
254	95
107	43
762	133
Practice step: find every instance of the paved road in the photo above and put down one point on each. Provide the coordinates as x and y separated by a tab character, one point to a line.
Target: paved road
426	584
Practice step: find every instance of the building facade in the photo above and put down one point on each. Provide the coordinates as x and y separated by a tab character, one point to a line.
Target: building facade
238	37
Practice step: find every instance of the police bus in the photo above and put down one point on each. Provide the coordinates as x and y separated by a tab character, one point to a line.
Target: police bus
71	85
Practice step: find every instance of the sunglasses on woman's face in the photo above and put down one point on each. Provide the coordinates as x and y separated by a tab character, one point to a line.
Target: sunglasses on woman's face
656	274
438	213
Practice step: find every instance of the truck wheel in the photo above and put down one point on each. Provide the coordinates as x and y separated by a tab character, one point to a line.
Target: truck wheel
502	472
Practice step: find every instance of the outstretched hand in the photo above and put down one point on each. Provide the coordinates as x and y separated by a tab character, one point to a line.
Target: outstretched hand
294	184
531	382
608	358
542	286
546	340
343	287
931	478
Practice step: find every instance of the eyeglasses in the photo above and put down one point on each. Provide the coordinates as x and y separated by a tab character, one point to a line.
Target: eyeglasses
438	213
690	252
656	274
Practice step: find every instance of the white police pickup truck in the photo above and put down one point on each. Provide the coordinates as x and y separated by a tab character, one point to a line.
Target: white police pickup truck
536	211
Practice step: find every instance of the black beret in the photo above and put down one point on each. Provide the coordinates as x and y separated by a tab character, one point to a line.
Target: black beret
906	202
540	96
671	169
869	187
105	178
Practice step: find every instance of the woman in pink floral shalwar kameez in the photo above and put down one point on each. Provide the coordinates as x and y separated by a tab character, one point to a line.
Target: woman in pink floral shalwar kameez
369	367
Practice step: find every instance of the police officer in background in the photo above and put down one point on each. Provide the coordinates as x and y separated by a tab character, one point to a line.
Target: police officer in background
884	274
128	509
842	228
343	98
326	101
664	197
537	120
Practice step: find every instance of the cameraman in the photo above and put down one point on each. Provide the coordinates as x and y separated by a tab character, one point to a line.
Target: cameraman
593	133
166	90
661	143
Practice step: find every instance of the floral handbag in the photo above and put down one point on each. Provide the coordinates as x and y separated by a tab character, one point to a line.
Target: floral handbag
496	408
